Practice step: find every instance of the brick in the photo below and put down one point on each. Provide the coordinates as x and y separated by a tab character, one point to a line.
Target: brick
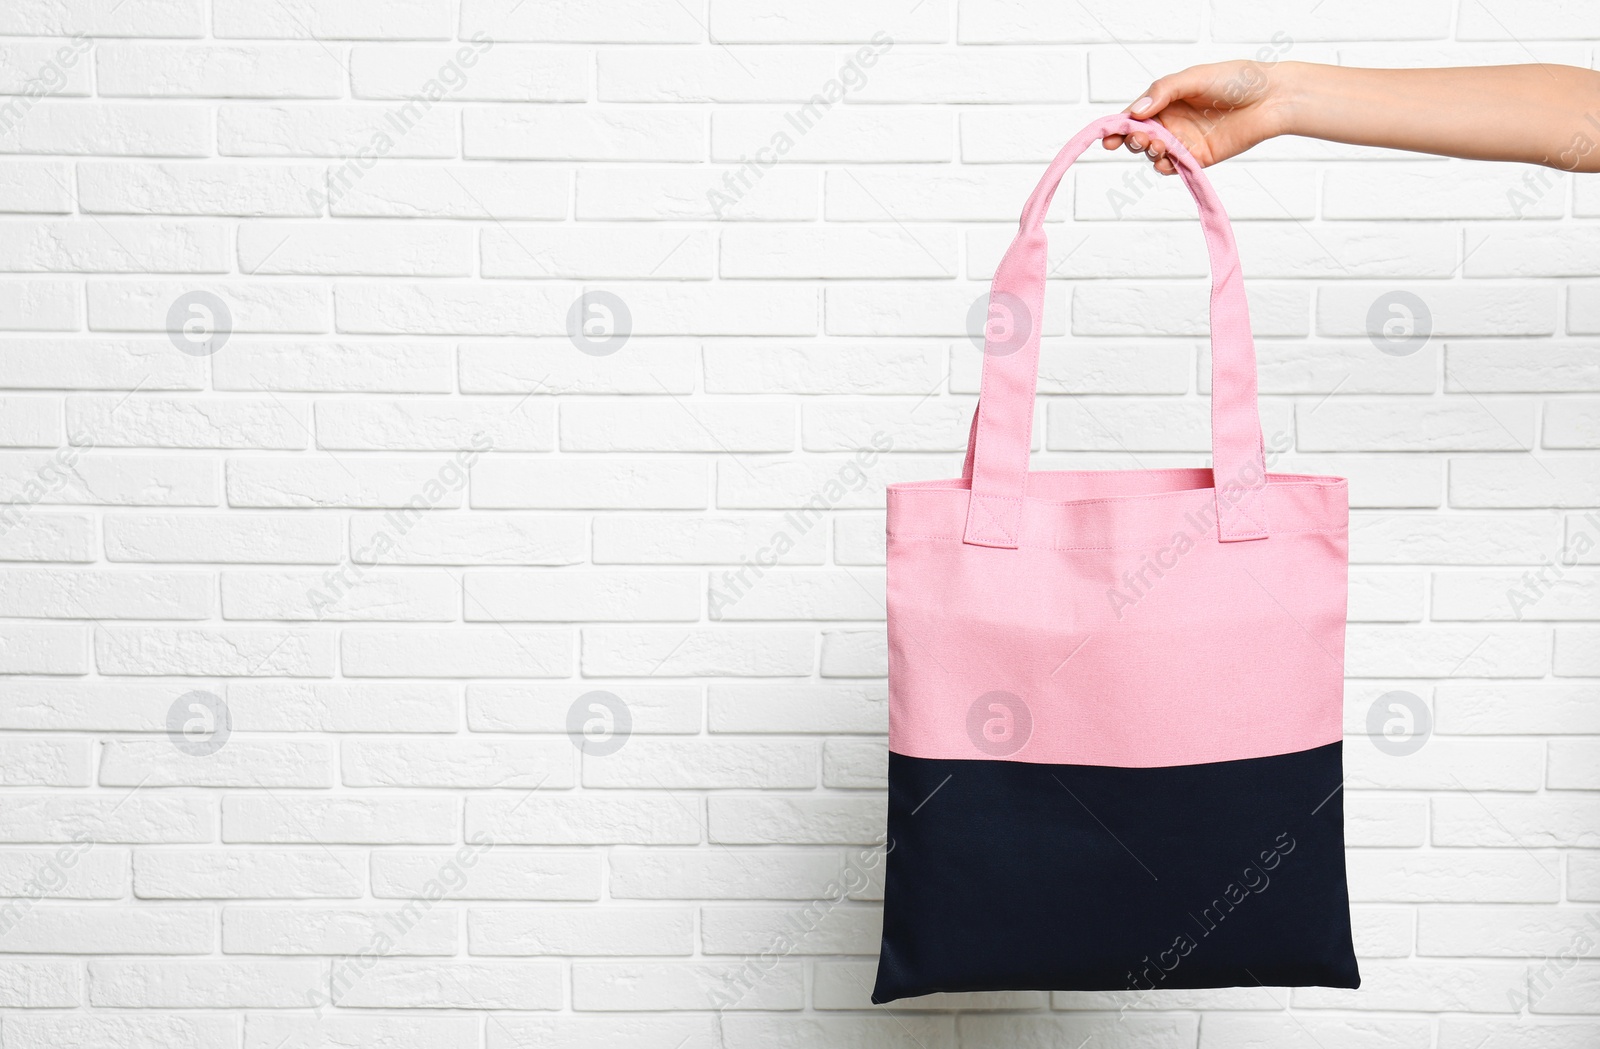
765	21
1390	651
401	984
672	652
330	20
301	130
599	252
450	652
615	986
1522	708
554	133
581	930
124	818
1501	932
630	21
38	984
586	820
180	18
111	129
1436	986
89	593
758	366
115	1030
230	71
669	764
187	422
309	819
673	426
189	874
1510	367
267	1030
1394	426
827	708
320	930
1424	190
126	930
1036	1032
823	134
227	538
725	873
1452	876
1547	820
357	249
208	984
253	306
1461	1032
197	188
1293	1032
213	650
239	763
795	820
480	71
64	873
652	708
113	246
502	874
403	763
366	483
724	191
644	539
455	191
96	364
995	22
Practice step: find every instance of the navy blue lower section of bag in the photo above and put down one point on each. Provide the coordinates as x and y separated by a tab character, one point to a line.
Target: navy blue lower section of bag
1007	875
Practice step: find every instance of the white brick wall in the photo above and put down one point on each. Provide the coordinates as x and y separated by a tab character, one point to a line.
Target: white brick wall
386	217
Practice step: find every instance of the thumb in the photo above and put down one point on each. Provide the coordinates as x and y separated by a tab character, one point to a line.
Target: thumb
1164	91
1160	94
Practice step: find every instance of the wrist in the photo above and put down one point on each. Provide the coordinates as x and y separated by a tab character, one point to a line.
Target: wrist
1286	97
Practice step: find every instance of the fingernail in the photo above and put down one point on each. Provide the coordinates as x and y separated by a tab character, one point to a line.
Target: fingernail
1142	105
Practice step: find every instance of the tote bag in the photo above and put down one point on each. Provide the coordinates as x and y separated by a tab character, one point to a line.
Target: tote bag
1115	735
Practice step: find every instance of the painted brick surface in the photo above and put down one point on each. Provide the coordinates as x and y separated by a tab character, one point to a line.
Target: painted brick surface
443	442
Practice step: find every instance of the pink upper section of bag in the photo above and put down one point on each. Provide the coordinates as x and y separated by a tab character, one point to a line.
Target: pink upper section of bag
1129	618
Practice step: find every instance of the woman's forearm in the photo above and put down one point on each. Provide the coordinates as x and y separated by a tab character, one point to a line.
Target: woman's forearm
1537	114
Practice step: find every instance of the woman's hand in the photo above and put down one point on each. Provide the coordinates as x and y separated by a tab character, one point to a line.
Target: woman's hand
1531	114
1217	111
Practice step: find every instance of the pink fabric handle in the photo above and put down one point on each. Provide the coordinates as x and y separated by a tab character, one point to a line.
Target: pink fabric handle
997	451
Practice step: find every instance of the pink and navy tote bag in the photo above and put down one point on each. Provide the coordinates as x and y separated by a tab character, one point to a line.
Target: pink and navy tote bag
1115	697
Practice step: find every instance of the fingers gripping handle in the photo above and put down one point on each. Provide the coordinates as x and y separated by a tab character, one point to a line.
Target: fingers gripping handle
1003	426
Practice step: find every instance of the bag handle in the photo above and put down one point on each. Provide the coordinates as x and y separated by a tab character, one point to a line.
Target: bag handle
1002	426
